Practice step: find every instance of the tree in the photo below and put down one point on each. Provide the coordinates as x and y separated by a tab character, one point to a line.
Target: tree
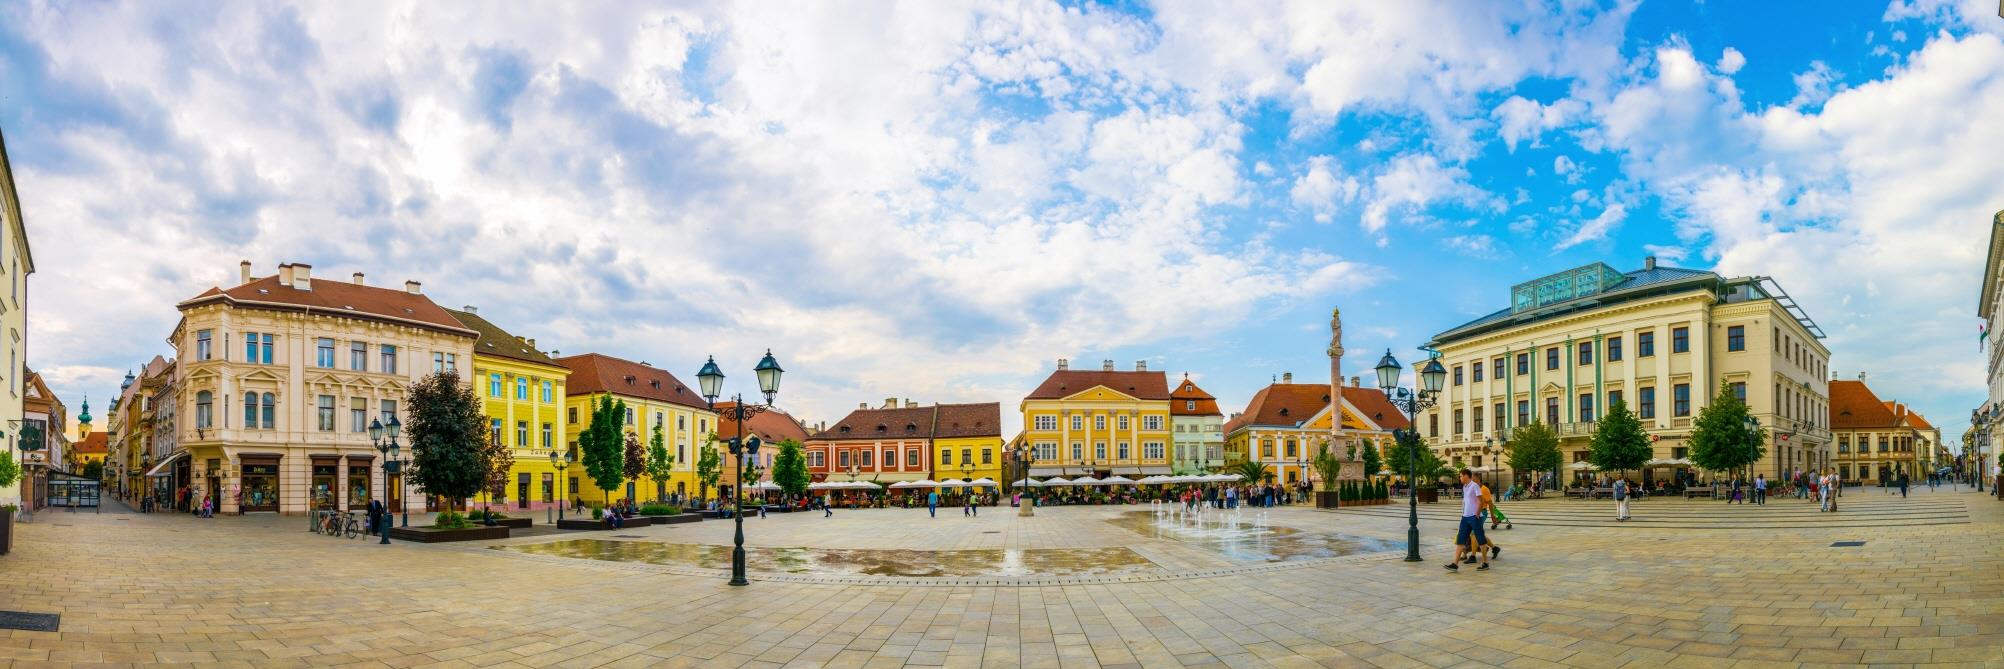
500	459
10	471
1534	447
1328	466
636	458
1619	442
1373	462
789	468
448	437
709	466
1408	446
94	470
1720	441
660	465
1250	471
603	452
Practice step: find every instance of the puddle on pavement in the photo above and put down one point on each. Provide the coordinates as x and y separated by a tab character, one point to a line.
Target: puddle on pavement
1241	537
857	562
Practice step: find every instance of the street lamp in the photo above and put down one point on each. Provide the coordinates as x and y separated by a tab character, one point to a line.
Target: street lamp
561	464
712	380
1024	456
1489	448
1431	377
392	460
1753	439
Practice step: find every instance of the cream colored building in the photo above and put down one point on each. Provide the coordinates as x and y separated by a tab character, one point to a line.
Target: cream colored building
1659	339
280	375
16	262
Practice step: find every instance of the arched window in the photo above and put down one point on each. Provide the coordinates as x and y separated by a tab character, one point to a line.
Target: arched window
250	411
205	406
270	411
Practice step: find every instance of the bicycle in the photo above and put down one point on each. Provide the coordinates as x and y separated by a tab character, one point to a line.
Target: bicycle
353	526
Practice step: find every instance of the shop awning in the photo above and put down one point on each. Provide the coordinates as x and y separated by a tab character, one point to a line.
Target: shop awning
161	468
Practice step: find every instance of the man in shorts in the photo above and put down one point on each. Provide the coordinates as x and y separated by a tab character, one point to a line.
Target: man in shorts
1470	537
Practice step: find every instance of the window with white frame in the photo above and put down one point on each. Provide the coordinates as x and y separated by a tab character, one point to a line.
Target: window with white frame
1047	451
1078	422
1151	450
1099	422
1046	422
1151	423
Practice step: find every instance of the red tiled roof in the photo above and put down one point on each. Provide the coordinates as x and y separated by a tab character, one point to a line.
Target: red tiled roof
1293	403
498	342
899	423
772	426
599	373
1852	405
1187	392
1140	385
336	297
969	420
95	442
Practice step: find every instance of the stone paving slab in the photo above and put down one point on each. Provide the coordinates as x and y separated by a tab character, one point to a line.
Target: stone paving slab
1752	591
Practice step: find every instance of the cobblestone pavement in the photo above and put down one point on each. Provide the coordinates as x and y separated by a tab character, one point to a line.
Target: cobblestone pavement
1689	583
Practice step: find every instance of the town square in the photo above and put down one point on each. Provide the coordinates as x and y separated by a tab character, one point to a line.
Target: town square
1002	334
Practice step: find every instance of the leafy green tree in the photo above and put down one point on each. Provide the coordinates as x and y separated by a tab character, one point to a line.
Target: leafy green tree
10	471
1407	446
709	466
1720	441
636	458
660	465
1373	463
1619	442
94	470
1250	471
1329	467
789	469
602	445
448	437
1534	447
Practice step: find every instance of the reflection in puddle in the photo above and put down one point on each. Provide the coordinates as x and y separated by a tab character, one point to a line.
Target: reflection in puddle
1239	538
871	562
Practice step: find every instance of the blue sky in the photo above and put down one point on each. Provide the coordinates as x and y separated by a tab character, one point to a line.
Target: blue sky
937	200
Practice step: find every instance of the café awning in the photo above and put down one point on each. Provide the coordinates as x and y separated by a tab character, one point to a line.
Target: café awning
161	468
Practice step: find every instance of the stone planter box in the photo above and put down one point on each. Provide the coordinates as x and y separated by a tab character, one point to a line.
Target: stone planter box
600	524
433	535
676	519
1326	499
706	513
6	531
1429	495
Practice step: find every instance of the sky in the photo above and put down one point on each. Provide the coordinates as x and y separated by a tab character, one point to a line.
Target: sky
937	200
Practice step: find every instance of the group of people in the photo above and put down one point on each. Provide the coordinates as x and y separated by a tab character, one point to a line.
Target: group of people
1472	544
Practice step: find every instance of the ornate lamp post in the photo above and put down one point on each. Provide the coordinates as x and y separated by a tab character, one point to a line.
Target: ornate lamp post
562	463
392	461
1495	472
712	380
1024	456
1431	377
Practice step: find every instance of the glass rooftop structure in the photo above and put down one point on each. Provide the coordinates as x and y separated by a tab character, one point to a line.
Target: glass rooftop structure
1564	286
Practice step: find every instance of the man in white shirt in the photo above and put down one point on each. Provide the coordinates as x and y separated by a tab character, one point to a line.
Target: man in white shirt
1470	537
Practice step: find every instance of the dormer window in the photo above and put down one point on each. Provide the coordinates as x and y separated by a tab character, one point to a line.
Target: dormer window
910	428
656	383
1283	411
882	429
844	429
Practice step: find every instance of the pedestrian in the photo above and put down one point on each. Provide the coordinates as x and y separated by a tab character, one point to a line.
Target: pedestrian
827	510
1903	485
1760	489
1621	499
967	505
1469	537
1489	509
932	503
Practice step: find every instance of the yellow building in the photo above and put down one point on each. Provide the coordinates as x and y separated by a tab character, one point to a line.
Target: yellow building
653	398
280	377
1660	340
1102	422
521	392
1286	424
967	440
16	262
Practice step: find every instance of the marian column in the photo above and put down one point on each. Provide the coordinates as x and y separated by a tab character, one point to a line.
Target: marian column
1338	441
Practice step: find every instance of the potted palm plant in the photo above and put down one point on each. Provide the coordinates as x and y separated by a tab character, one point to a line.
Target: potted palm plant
1331	470
10	472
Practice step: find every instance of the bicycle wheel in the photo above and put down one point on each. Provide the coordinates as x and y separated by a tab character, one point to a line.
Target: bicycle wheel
354	528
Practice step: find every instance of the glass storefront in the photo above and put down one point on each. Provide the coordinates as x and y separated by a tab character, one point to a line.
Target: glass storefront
324	474
358	484
260	487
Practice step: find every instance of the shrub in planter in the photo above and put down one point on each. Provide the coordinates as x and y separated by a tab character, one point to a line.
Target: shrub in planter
597	513
451	520
660	510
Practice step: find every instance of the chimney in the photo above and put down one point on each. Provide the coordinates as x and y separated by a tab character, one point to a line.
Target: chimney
285	274
357	278
413	287
1861	377
1141	365
1356	382
532	342
476	311
909	404
302	276
1063	364
1287	377
1106	365
890	403
243	272
1648	262
862	405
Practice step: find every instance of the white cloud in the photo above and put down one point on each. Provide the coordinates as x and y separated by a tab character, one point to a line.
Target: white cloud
1521	120
1596	229
1731	61
1322	189
1415	181
1812	86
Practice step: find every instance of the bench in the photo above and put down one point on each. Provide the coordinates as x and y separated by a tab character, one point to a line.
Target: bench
1603	492
1577	492
1698	491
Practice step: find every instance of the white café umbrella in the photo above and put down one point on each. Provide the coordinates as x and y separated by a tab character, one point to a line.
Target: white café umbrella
921	483
1026	483
1116	479
827	486
1087	480
1157	479
983	482
952	483
1581	466
861	485
1223	478
1054	481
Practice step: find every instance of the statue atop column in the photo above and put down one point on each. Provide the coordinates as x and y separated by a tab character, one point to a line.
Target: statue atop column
1339	441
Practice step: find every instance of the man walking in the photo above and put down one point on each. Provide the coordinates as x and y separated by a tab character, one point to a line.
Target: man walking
1469	538
932	504
1903	484
970	510
1621	499
1760	490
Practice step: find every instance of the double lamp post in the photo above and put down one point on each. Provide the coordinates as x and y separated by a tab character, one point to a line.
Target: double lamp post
393	466
1431	376
712	380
